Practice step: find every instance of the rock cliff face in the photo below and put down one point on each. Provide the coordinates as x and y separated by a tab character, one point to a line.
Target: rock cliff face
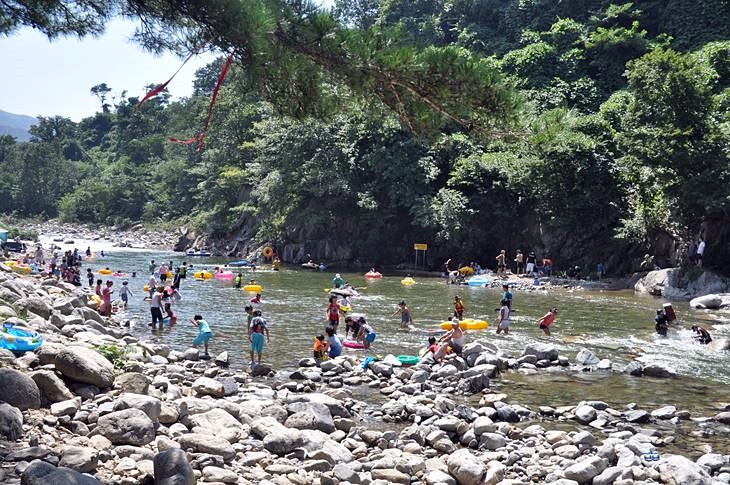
682	283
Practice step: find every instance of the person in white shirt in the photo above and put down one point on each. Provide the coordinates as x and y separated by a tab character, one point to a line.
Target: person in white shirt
700	251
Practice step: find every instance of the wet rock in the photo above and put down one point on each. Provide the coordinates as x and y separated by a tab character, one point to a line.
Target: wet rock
584	414
659	370
222	359
19	390
634	368
586	357
85	365
541	351
171	467
261	370
126	427
11	422
666	412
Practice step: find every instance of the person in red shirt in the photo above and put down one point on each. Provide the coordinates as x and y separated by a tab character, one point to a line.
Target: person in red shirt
546	320
333	313
458	307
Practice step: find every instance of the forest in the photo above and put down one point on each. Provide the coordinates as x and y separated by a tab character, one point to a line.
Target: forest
586	131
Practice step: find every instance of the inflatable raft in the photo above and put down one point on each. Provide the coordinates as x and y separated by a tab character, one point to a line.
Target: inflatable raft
467	324
203	275
19	340
253	288
408	359
408	281
373	275
353	344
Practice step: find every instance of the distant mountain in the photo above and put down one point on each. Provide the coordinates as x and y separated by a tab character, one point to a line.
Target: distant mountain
16	125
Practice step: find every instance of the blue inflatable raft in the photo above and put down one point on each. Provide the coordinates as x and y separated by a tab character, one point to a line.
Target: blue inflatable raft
19	340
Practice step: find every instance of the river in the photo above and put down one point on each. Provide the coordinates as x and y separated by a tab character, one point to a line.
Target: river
617	325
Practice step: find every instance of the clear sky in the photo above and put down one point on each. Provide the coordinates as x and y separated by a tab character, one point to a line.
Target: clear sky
54	78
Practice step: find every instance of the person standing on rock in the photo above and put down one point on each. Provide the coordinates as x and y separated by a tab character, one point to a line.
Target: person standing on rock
530	266
256	331
700	251
106	299
501	263
520	260
204	333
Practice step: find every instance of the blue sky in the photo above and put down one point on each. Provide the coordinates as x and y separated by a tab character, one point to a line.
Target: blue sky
54	78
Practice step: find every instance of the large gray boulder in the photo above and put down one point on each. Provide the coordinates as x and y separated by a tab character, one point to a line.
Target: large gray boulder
19	390
466	468
151	406
85	365
172	468
52	387
126	427
713	301
310	415
11	422
80	458
678	470
206	443
42	473
541	351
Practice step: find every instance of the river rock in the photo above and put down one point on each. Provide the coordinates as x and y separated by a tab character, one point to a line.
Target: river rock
85	365
678	470
205	386
133	382
19	390
11	422
390	476
310	415
666	412
217	422
206	443
171	467
658	370
51	387
219	475
66	408
151	406
466	468
81	459
586	357
38	306
541	351
284	442
126	427
42	473
713	301
584	414
584	471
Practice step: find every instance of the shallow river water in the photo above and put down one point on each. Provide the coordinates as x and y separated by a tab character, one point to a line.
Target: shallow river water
617	325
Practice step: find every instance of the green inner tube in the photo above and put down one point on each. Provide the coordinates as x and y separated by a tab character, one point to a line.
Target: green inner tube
408	359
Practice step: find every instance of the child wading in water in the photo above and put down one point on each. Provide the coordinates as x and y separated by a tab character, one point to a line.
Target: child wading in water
546	320
204	332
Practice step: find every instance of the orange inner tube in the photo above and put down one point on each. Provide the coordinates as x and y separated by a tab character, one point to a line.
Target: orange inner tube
267	252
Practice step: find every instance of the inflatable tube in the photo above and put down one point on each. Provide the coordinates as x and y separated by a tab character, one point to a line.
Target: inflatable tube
203	275
373	275
95	299
345	308
479	280
22	268
408	359
468	324
241	262
408	281
105	271
267	252
226	275
253	288
466	270
146	288
353	344
119	274
19	340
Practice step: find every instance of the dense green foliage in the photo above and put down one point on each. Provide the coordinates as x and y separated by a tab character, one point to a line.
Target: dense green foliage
353	135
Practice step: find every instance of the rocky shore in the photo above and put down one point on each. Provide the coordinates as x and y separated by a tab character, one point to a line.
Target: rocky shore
146	413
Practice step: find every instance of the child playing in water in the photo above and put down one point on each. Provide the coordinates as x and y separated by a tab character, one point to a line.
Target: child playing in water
547	320
170	314
320	348
204	332
124	293
405	315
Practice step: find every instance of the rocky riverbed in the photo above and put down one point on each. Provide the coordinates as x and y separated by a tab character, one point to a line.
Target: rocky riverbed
161	415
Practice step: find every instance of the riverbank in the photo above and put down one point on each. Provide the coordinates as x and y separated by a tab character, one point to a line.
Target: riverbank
159	411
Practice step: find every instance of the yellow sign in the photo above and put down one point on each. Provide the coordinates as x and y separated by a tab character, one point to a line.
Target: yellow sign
420	247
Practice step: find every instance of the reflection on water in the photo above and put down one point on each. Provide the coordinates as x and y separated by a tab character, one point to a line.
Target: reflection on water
617	325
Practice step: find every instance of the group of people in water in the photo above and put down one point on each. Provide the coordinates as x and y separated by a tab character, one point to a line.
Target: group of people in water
665	317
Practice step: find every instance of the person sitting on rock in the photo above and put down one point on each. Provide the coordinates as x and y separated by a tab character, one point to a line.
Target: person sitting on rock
703	336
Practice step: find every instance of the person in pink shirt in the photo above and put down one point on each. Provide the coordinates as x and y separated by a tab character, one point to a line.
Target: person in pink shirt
547	320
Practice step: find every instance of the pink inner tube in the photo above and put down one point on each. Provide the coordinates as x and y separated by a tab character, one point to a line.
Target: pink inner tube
118	274
226	275
353	344
373	275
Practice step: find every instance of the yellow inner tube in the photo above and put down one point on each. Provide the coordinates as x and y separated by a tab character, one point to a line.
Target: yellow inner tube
203	275
267	252
468	324
253	288
105	271
466	270
407	281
